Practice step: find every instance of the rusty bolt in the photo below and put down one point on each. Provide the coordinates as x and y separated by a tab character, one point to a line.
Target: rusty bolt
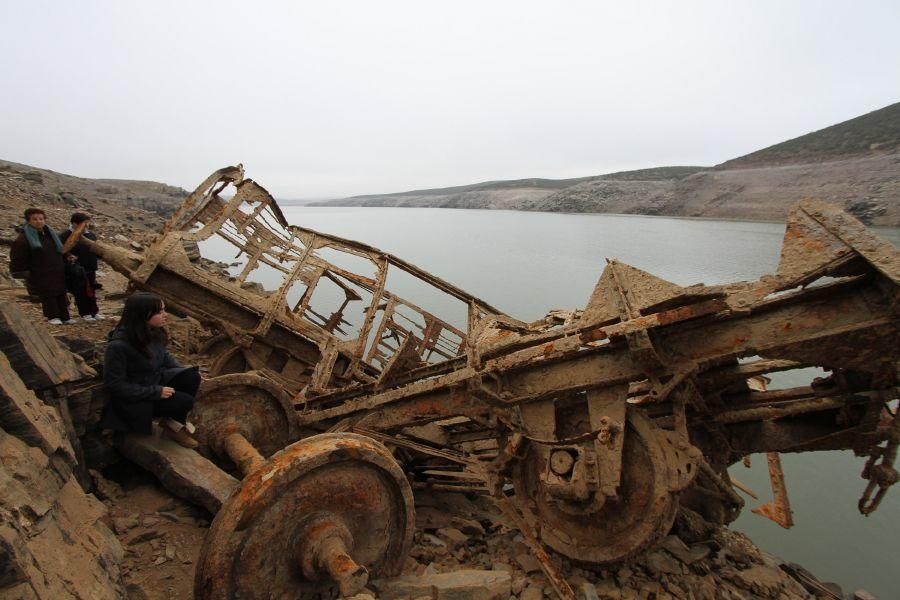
884	475
561	462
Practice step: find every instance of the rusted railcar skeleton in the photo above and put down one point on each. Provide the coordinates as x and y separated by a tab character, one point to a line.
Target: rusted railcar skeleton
588	428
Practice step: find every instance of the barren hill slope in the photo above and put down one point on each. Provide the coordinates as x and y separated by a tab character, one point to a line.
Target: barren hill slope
119	203
855	164
509	194
868	187
874	133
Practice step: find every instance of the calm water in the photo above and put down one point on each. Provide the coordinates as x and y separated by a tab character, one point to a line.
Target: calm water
528	263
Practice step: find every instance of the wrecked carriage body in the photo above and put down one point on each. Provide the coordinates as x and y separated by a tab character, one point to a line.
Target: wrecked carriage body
588	428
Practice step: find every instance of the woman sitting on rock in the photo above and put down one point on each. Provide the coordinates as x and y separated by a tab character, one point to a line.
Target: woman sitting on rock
142	379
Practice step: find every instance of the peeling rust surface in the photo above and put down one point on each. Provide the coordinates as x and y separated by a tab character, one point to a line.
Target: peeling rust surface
591	427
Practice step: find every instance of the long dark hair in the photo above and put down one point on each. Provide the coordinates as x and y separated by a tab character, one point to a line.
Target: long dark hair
139	307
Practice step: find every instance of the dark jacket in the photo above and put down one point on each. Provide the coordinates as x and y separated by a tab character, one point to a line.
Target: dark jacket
45	266
134	382
77	280
86	258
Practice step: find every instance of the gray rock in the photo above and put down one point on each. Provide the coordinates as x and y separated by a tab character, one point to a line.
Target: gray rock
122	525
467	526
459	585
661	563
607	590
167	506
434	540
184	472
587	591
519	581
759	579
144	536
454	537
42	513
22	413
532	592
528	562
700	551
135	592
174	518
677	548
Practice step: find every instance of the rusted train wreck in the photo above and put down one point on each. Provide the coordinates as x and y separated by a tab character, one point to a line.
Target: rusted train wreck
588	428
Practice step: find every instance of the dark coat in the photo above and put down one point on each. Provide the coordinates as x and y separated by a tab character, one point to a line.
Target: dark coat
77	280
134	382
45	266
86	258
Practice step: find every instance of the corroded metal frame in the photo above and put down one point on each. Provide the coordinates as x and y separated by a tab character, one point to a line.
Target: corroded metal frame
643	350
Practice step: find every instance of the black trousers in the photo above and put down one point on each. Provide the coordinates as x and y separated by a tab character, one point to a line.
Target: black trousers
179	404
87	305
55	306
86	295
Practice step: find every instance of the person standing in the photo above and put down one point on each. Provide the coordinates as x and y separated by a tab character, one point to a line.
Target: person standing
37	255
81	275
142	379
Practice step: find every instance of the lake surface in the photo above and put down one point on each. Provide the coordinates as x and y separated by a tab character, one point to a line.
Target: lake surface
528	263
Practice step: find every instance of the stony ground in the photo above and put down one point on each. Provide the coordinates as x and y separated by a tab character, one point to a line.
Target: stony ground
460	542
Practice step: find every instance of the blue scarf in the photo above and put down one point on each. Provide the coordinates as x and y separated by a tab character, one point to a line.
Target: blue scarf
34	239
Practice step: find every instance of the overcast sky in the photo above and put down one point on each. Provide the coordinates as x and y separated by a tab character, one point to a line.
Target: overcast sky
322	99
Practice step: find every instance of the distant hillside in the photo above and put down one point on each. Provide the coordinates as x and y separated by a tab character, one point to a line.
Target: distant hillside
868	187
510	194
654	174
855	164
153	196
877	132
488	194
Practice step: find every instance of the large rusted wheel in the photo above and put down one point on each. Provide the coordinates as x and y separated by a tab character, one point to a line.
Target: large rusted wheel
326	512
604	530
246	404
229	359
216	345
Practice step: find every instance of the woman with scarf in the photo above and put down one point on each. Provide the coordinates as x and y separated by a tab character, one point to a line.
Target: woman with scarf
37	255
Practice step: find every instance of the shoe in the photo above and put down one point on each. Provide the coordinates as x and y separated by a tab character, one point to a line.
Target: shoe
70	322
88	318
181	437
55	322
98	317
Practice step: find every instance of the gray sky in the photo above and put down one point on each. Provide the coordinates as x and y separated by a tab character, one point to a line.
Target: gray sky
322	99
